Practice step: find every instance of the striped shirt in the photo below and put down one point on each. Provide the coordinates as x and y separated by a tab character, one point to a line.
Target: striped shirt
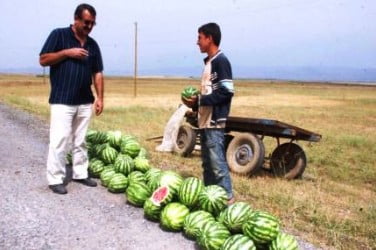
217	89
71	78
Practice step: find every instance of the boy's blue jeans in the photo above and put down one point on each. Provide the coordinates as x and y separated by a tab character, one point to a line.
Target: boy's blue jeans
214	164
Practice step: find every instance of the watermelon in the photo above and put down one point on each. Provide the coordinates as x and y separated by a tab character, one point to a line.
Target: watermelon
137	193
127	138
152	210
143	153
90	150
95	168
124	164
154	182
130	147
213	199
284	242
68	158
189	191
106	176
261	227
108	154
141	164
173	215
114	138
194	221
189	91
151	173
238	242
118	183
98	149
90	135
171	179
236	215
100	138
162	195
136	176
212	235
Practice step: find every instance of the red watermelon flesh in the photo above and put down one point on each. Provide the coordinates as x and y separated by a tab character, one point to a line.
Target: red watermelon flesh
161	195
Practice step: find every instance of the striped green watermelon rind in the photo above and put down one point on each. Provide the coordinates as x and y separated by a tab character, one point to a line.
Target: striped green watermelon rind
130	147
152	210
173	215
189	191
124	164
152	178
118	183
90	135
189	91
141	164
143	153
212	235
106	176
109	154
213	199
235	215
284	241
151	173
238	242
194	221
114	138
100	137
98	148
261	227
68	158
171	179
136	176
90	150
95	168
137	193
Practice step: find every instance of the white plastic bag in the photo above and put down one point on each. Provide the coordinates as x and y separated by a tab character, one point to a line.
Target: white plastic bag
171	130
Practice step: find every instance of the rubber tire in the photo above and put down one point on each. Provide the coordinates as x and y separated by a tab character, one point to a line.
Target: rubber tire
245	154
185	141
289	161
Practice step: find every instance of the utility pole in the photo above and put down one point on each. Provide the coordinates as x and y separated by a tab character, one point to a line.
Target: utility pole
135	61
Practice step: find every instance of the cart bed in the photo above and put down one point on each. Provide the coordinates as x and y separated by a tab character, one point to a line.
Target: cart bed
266	127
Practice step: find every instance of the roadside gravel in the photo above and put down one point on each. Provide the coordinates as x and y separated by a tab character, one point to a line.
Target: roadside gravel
32	217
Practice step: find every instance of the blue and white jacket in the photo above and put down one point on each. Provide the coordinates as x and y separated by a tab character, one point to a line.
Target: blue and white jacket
217	90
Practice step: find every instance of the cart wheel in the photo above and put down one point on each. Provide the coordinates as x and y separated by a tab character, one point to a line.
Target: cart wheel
245	154
186	140
288	160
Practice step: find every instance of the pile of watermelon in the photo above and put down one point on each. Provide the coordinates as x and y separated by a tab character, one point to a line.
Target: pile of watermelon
181	204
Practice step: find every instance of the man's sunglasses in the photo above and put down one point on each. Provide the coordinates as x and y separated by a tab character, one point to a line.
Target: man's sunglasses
89	23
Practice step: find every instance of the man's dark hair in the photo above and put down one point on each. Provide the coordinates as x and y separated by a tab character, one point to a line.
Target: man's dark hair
213	30
80	8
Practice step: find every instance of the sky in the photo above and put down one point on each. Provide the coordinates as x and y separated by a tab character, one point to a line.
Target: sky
295	39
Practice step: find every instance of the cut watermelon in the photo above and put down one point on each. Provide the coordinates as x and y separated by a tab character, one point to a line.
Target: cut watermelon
161	196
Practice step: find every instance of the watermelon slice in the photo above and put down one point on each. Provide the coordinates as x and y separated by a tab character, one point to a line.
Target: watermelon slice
162	196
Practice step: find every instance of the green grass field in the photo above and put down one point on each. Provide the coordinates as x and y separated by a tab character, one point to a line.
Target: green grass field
332	206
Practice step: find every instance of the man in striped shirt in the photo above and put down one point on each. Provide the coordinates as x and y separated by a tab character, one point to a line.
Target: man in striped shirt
75	63
213	107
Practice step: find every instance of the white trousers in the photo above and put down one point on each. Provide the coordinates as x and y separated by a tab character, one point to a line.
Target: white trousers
68	127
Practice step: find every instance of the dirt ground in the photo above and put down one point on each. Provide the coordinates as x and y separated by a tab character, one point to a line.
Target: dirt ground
32	217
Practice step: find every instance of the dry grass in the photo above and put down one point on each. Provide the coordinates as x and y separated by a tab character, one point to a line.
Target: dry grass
333	205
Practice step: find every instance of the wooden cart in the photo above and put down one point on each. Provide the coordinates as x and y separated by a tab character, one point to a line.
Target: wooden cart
245	150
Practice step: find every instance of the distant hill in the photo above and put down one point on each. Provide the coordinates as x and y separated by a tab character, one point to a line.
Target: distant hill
330	74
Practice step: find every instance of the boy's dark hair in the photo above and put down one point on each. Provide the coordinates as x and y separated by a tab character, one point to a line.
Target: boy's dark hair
80	8
213	30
